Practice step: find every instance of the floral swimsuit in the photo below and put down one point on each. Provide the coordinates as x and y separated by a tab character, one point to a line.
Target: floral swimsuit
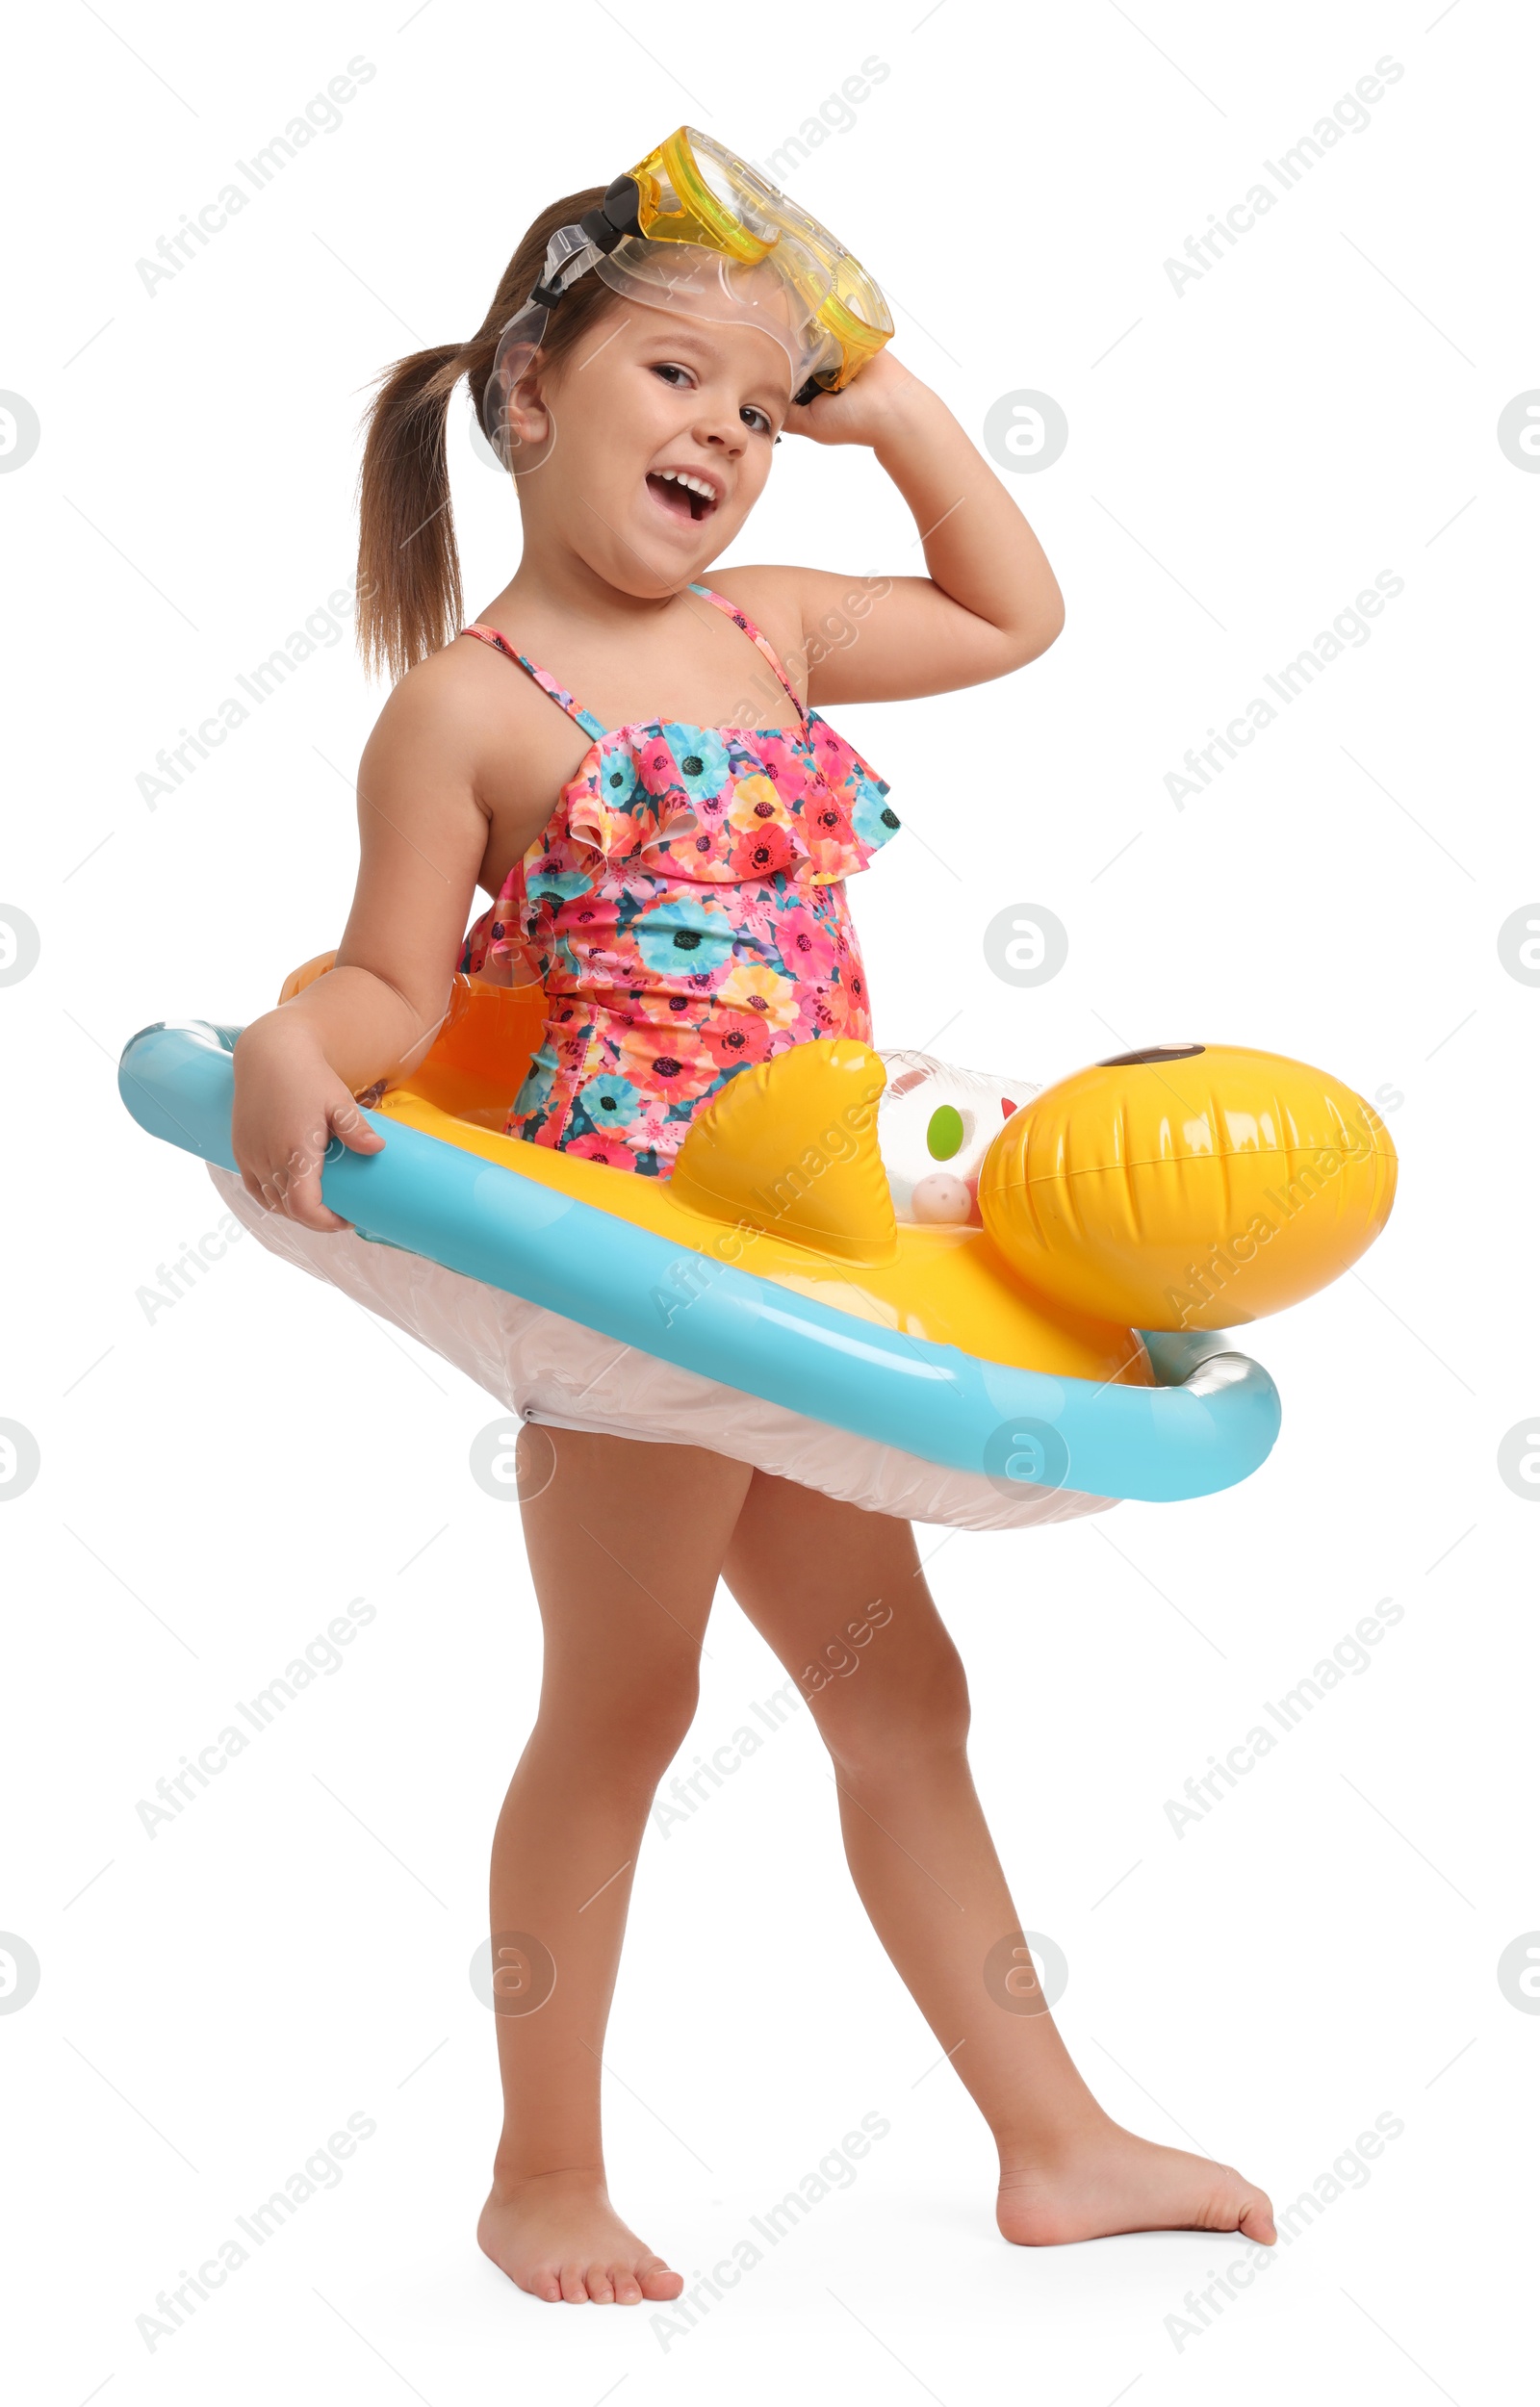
684	910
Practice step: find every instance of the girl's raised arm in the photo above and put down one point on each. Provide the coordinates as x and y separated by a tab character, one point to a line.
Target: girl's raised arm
991	602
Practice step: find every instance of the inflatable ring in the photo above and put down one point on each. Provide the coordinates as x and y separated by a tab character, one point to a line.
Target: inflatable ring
765	1301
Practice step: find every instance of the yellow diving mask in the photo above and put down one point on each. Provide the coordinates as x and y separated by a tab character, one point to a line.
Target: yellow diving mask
692	228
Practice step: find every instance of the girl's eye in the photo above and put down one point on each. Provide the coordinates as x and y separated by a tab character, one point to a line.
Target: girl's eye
750	411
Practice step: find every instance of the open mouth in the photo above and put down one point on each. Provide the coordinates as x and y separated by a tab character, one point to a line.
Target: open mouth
681	499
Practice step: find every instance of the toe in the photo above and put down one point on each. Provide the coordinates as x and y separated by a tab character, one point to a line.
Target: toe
659	2280
574	2286
1256	2219
546	2285
627	2288
600	2288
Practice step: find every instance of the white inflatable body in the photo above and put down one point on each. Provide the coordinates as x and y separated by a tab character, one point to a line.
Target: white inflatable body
545	1368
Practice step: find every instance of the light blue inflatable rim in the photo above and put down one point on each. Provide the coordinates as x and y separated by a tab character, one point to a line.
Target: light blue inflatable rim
1158	1444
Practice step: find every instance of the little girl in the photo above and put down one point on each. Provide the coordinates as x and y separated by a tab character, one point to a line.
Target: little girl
668	861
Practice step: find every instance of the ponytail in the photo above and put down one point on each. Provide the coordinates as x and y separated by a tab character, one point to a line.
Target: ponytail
410	602
409	598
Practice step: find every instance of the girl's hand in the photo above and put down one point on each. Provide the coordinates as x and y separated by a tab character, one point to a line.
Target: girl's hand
289	1105
862	410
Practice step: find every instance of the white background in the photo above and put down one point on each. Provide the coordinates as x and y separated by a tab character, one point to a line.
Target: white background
219	1480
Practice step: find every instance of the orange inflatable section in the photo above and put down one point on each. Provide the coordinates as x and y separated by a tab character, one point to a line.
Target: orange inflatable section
481	1056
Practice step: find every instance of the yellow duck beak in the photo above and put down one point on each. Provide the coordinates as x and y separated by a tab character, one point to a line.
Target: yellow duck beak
1188	1186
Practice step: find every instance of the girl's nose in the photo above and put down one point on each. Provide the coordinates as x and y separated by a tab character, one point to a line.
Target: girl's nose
717	421
724	433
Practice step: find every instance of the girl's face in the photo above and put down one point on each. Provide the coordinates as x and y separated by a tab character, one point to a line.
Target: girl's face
650	395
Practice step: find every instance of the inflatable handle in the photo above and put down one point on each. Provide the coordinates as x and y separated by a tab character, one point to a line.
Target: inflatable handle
1210	1423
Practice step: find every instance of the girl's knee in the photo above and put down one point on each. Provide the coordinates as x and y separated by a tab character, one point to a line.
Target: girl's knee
887	1727
628	1732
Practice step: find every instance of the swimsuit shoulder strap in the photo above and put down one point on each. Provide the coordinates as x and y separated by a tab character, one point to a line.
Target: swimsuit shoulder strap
747	625
542	677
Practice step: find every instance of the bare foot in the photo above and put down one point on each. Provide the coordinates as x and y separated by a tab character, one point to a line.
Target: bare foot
1107	2181
557	2236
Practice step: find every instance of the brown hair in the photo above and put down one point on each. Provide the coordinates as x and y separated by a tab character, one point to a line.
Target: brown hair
409	598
